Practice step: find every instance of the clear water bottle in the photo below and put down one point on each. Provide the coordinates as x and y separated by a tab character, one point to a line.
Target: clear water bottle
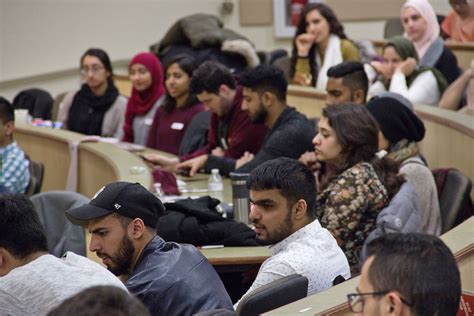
215	185
159	193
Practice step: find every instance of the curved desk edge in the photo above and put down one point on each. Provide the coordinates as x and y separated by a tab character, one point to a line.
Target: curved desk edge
111	156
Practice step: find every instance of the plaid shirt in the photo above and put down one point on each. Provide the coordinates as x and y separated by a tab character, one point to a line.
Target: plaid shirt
14	172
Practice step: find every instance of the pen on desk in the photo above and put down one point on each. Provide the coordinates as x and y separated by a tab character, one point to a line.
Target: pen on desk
211	247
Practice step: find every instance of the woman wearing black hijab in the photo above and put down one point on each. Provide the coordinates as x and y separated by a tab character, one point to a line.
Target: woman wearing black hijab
400	130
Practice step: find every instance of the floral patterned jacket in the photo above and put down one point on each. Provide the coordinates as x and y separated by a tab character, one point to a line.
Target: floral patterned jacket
349	205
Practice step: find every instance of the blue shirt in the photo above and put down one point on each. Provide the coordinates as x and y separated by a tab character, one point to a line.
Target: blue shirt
14	172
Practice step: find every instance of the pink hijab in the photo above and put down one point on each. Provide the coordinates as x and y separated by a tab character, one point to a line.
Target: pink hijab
432	30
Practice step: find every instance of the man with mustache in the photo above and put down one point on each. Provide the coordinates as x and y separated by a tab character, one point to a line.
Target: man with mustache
169	278
264	100
32	281
282	198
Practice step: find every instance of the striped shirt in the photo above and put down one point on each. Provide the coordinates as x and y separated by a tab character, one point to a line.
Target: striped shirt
14	172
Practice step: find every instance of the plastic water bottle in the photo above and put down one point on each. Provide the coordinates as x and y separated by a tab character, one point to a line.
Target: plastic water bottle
159	193
215	185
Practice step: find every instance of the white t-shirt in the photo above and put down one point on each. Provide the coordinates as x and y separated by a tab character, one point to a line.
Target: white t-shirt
37	287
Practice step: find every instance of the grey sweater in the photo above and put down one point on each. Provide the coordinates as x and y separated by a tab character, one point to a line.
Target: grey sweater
422	179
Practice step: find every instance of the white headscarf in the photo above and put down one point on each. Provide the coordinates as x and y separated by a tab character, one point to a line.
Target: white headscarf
432	26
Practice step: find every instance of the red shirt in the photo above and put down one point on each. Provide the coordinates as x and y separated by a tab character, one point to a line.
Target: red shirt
238	131
167	129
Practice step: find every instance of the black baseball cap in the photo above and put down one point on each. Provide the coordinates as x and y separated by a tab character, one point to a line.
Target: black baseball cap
124	198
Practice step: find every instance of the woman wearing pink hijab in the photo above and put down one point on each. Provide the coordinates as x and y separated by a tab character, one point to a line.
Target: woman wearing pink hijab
148	93
422	28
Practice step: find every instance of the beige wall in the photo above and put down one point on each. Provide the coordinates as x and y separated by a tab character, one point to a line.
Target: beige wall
43	36
1	38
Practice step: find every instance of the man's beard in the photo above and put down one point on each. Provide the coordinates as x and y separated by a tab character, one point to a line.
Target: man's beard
260	116
121	261
281	233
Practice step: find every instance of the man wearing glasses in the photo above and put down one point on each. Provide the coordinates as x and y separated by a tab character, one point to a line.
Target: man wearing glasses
408	274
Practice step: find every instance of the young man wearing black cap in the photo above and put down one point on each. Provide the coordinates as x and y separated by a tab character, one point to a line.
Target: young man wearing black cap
170	279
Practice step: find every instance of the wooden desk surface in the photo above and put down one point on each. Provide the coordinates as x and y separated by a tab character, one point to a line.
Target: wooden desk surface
226	256
236	255
333	301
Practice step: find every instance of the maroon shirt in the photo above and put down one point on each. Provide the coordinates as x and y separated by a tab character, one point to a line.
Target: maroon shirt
167	129
236	128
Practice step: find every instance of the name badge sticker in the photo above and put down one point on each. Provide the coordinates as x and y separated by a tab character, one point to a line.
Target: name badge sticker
148	121
177	126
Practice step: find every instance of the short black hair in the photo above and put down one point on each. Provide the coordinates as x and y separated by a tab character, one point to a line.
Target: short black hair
265	78
103	57
7	112
209	76
101	300
353	75
418	266
21	232
293	179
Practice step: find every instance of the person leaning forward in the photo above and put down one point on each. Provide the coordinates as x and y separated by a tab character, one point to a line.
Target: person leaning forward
170	278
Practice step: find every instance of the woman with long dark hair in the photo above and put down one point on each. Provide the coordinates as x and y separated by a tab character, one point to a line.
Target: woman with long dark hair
319	43
180	106
97	108
363	183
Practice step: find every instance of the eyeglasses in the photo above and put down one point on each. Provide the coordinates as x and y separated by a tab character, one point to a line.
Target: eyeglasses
356	303
94	69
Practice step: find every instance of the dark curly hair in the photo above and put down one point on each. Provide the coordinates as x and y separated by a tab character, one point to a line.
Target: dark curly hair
335	27
357	133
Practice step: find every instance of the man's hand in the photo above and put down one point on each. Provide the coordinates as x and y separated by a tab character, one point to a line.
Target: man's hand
243	160
304	42
193	165
166	163
218	152
408	66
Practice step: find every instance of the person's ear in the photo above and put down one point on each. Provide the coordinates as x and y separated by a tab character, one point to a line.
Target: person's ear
393	304
224	90
300	209
5	262
8	128
358	97
267	98
136	228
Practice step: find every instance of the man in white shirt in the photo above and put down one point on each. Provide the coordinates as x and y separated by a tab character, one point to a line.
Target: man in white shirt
31	281
283	196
